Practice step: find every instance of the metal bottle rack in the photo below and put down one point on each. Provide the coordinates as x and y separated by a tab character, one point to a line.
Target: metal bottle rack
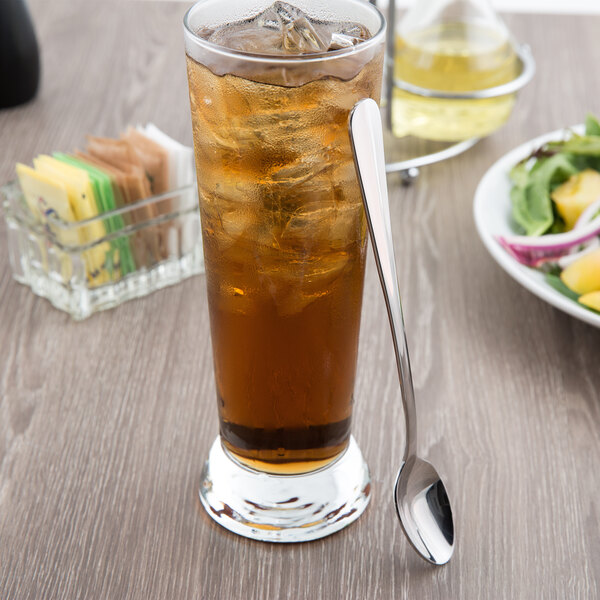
432	152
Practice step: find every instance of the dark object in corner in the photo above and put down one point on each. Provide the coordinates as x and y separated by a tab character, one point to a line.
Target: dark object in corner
19	54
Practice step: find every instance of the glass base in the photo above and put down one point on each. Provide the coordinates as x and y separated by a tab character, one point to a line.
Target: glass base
285	508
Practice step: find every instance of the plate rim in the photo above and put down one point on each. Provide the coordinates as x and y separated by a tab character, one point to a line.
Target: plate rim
526	276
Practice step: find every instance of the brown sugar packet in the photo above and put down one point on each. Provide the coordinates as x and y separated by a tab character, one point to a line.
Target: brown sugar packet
122	155
123	179
117	176
155	159
131	190
118	153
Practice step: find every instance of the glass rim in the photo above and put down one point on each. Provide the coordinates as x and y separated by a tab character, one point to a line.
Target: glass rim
289	58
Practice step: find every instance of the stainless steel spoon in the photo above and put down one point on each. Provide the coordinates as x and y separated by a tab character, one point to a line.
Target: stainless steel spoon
421	500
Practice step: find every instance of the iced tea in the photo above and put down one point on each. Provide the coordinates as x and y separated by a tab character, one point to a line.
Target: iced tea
284	233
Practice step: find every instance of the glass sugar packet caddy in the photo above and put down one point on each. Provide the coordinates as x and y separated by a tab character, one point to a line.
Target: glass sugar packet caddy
86	266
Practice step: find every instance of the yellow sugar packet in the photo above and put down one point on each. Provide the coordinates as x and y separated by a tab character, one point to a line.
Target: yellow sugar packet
46	197
82	200
79	191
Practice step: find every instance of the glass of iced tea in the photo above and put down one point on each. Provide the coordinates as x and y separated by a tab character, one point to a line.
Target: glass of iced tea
271	88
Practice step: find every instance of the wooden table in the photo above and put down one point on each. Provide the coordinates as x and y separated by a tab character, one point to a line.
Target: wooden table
105	424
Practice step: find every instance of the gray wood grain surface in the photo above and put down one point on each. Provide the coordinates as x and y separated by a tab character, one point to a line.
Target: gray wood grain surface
105	424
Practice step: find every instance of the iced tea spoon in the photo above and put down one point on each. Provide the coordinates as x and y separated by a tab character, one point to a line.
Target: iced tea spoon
420	496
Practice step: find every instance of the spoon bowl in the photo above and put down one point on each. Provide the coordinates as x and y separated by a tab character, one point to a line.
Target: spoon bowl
424	510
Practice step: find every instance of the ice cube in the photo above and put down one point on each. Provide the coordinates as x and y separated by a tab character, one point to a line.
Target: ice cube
247	39
345	35
300	37
279	29
312	281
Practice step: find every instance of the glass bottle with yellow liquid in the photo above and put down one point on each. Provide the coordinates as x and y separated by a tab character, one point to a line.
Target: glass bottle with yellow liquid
455	47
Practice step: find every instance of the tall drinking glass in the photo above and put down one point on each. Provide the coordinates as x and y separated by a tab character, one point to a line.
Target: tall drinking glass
271	88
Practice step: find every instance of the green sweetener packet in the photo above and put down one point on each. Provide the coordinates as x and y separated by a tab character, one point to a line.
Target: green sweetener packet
102	186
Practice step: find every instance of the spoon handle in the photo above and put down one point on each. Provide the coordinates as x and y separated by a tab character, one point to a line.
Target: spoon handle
366	136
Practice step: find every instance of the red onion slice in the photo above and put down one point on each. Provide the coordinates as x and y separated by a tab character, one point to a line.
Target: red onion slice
534	251
567	259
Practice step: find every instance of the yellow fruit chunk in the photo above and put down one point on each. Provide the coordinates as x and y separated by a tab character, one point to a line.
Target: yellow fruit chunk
592	300
583	276
575	195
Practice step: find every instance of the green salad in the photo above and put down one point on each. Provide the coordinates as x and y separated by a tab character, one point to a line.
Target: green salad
536	177
555	199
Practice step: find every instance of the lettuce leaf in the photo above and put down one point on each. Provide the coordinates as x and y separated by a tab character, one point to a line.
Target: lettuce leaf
586	145
592	125
556	282
530	196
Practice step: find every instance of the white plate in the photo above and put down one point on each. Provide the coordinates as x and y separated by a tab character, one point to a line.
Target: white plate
492	218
